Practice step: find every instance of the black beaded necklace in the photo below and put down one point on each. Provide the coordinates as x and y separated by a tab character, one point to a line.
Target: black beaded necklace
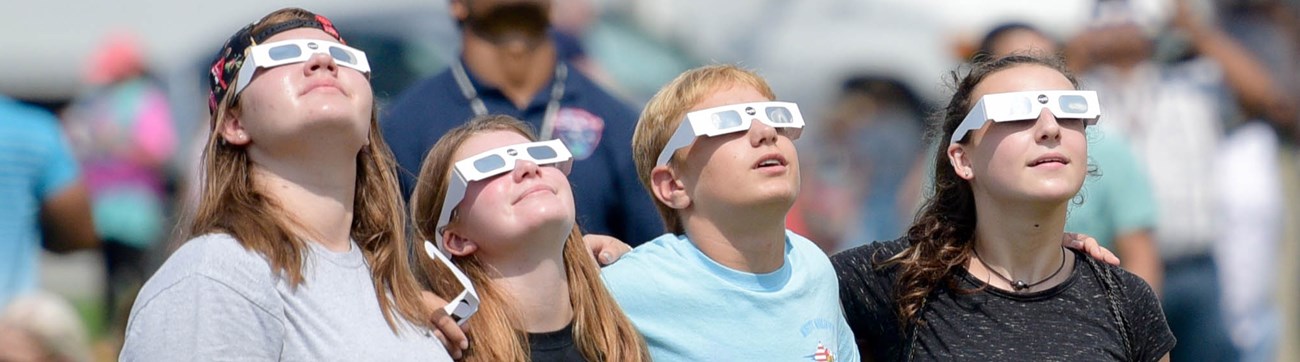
1019	285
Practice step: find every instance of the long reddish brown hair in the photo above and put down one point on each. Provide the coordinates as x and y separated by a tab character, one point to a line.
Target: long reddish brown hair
600	329
230	203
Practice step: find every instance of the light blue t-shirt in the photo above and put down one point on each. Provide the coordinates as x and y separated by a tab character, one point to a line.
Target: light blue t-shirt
690	308
1119	200
35	164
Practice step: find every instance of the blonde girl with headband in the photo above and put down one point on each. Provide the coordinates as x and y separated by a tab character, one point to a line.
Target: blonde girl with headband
981	274
297	249
501	205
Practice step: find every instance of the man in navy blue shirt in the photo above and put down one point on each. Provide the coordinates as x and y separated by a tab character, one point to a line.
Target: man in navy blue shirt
508	65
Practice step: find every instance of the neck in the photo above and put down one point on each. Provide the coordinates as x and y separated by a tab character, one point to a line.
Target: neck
519	73
317	194
539	284
1020	241
737	241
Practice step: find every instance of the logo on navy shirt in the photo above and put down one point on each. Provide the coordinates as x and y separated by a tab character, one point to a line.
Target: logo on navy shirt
580	130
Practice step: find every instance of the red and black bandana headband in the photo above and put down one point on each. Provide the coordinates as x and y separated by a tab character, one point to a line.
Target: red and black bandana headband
232	55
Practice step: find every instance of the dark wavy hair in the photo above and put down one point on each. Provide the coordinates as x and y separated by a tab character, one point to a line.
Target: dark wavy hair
940	239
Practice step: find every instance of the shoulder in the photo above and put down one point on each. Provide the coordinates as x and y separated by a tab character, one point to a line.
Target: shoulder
1148	329
1132	287
32	120
869	256
218	260
1136	291
644	261
803	249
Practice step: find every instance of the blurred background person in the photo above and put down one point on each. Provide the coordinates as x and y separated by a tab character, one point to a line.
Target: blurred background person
869	142
42	327
122	131
1270	29
510	65
1115	205
1175	112
46	203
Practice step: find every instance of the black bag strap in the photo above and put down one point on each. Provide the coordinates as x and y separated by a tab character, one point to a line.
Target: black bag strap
1113	297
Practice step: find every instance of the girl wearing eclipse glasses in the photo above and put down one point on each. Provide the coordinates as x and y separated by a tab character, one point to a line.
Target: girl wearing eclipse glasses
297	248
500	204
981	274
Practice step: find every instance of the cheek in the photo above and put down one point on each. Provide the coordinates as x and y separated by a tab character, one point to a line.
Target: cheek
269	92
478	202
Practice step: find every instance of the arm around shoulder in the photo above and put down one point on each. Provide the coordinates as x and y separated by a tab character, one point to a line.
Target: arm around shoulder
199	318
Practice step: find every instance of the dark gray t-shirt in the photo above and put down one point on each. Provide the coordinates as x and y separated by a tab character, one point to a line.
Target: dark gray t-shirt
1073	321
557	346
214	300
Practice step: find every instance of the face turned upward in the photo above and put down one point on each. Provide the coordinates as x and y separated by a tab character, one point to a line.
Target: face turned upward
313	100
1042	160
522	205
756	168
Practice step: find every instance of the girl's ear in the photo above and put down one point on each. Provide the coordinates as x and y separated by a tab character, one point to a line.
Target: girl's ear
232	130
960	161
667	188
458	245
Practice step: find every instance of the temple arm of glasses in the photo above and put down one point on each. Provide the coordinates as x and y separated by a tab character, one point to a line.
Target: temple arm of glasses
465	304
683	137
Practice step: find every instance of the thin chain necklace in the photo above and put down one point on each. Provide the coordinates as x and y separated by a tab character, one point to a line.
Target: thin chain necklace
1019	285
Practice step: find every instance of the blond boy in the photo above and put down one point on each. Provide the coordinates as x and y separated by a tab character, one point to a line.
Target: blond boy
728	282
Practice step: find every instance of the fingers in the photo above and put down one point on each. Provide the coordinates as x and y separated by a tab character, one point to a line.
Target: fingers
605	249
445	328
1074	241
451	335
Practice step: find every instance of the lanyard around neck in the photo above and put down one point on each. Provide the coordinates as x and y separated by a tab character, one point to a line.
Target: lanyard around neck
552	106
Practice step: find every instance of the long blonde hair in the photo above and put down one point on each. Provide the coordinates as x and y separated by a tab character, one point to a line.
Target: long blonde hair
601	330
230	203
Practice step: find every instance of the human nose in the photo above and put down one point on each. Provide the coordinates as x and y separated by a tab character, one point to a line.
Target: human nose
1048	126
525	169
760	133
320	62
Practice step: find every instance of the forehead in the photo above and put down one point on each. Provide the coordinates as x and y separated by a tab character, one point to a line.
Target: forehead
484	141
301	33
731	93
1024	77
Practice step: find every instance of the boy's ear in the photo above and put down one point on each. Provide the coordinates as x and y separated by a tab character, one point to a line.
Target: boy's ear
458	245
232	130
666	187
960	161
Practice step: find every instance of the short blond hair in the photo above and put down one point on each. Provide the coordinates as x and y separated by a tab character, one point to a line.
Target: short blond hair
665	111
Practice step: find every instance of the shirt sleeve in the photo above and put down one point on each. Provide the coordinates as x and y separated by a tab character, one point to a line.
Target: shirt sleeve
1152	338
848	344
61	168
866	296
202	319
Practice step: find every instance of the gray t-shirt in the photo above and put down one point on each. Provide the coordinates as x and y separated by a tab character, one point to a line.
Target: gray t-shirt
215	300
